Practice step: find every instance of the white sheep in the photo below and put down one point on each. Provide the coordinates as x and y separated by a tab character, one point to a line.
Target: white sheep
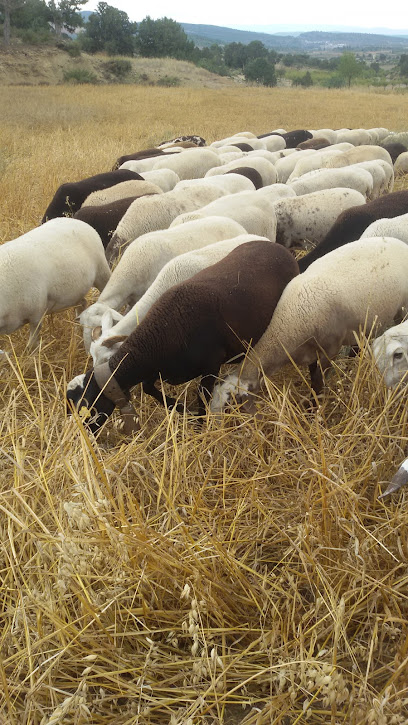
166	179
355	136
309	217
401	164
390	352
396	227
242	136
349	177
254	212
382	174
325	133
228	183
285	164
107	338
353	288
189	164
274	143
121	191
360	153
316	159
264	167
50	268
143	260
147	215
274	192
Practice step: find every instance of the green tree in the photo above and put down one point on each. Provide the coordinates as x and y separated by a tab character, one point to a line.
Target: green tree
109	29
65	14
349	67
403	65
306	80
33	15
9	6
163	38
260	70
235	55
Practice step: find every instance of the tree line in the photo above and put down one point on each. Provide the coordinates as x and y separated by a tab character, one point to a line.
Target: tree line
110	30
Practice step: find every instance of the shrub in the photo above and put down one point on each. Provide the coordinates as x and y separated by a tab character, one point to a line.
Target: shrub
79	75
334	81
118	67
169	81
34	37
305	80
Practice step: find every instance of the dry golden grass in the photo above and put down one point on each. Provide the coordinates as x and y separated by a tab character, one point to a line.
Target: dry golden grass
244	572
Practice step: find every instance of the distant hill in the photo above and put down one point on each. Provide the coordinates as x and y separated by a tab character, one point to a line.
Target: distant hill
303	41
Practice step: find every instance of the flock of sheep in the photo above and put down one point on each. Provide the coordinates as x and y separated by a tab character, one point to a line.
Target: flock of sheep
200	238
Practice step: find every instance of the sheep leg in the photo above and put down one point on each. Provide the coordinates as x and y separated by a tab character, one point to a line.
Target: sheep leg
151	389
317	370
205	390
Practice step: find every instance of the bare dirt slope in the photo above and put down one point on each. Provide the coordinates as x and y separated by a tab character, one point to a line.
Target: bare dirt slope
28	65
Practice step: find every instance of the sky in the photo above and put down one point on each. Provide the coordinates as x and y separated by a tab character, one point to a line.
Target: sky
258	12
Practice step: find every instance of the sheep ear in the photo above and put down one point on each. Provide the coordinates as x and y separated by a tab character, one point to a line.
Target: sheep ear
109	318
96	333
111	341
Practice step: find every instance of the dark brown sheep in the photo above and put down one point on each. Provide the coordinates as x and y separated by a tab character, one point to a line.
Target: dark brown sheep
250	173
105	217
193	329
69	197
394	150
137	156
351	223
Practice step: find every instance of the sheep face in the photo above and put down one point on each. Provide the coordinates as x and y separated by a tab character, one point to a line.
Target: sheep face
83	392
233	390
391	357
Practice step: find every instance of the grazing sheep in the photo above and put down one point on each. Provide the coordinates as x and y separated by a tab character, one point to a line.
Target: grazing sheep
145	257
395	137
293	138
123	190
190	164
315	161
157	212
165	178
391	354
401	164
312	215
250	173
105	217
228	184
108	337
274	192
191	330
325	133
242	146
243	136
285	165
382	174
69	197
195	139
264	167
360	153
351	223
359	285
137	156
394	150
396	227
48	269
349	177
274	143
314	143
356	136
253	211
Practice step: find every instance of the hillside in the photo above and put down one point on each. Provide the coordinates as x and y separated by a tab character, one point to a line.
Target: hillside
33	66
304	41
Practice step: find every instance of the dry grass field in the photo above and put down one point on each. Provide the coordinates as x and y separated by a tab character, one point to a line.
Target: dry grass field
242	572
